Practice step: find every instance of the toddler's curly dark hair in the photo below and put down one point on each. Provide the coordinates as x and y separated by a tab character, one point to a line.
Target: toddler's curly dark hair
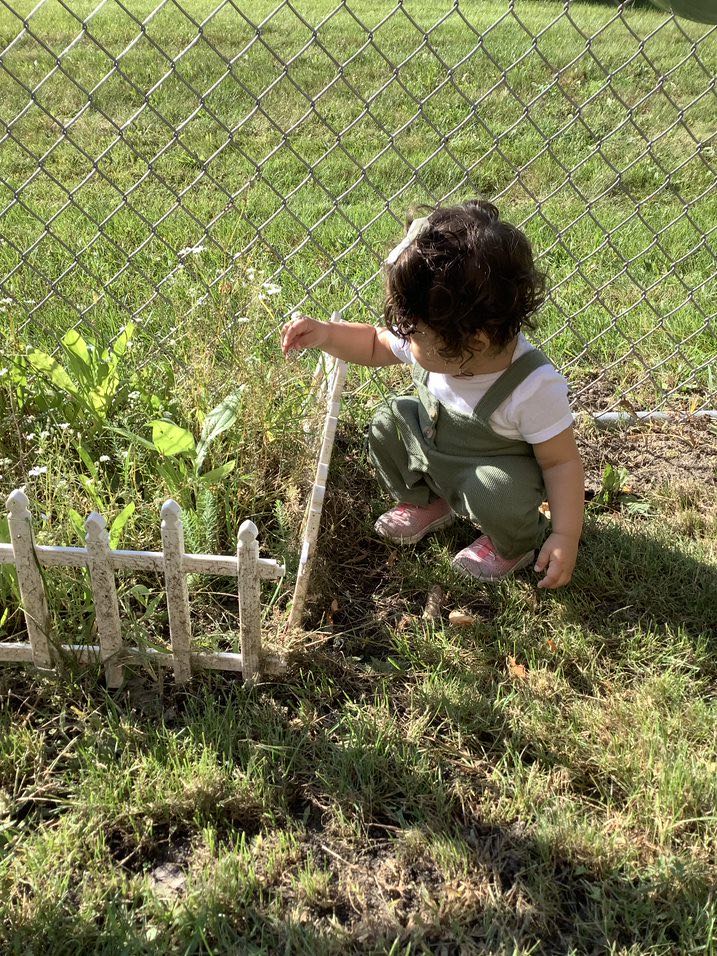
467	272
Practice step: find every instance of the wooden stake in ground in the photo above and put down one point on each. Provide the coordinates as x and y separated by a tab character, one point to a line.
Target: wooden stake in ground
336	379
434	603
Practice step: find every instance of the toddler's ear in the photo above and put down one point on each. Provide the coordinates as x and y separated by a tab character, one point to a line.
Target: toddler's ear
479	342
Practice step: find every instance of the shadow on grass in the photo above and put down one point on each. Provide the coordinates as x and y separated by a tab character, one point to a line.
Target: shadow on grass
385	893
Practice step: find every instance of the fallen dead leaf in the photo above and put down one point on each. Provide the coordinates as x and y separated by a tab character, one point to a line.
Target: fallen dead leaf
552	646
461	619
518	671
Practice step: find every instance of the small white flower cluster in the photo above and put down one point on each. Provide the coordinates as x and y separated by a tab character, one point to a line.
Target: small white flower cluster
37	471
268	289
190	251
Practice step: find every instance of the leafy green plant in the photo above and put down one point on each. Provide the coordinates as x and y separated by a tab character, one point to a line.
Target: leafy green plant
88	379
614	484
179	460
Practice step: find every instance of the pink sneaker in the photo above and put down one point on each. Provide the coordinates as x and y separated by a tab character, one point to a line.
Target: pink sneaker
482	561
407	524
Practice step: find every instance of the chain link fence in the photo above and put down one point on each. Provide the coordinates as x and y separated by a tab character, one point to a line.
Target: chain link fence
163	161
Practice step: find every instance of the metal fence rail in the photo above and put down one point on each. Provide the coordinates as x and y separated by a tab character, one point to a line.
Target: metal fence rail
152	155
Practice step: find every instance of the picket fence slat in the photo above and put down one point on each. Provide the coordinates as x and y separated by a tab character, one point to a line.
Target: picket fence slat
175	583
104	595
249	598
102	563
29	578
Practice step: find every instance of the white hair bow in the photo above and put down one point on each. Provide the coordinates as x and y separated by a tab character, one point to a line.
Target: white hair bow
417	228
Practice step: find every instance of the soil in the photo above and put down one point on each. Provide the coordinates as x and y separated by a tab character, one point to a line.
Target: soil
654	453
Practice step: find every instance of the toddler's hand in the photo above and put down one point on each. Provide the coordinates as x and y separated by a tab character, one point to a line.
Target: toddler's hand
558	555
301	332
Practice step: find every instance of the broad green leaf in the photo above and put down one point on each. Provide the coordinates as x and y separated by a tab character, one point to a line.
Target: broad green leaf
76	345
132	437
49	366
119	346
117	526
78	359
170	439
100	398
217	421
218	474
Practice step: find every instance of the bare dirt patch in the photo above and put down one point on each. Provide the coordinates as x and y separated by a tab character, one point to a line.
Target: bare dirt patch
654	453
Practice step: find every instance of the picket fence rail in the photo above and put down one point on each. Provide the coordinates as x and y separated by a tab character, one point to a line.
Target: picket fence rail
102	563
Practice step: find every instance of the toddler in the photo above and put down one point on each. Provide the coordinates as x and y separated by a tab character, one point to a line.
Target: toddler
489	432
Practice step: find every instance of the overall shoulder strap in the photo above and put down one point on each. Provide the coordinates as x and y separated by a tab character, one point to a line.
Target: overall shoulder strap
420	375
508	382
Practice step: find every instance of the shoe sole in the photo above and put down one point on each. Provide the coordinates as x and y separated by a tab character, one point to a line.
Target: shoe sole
415	538
520	566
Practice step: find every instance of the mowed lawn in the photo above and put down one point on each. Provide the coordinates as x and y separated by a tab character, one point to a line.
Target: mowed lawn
543	779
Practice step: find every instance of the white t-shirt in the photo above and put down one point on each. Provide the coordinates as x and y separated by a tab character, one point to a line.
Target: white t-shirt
535	411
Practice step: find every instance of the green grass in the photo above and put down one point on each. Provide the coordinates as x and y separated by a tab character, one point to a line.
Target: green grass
403	789
541	781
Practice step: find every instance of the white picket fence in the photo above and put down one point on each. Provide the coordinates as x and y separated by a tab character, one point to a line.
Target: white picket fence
43	649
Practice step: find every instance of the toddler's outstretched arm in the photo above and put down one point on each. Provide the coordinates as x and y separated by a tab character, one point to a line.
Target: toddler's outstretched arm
564	478
360	344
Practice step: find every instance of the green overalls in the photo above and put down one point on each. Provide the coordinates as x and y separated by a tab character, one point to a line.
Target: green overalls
423	450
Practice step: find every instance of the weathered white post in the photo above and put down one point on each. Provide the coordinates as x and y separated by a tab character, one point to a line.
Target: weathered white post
104	595
336	383
32	589
175	582
249	599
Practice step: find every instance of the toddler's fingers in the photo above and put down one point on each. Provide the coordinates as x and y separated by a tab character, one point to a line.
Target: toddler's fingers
553	575
297	326
542	562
